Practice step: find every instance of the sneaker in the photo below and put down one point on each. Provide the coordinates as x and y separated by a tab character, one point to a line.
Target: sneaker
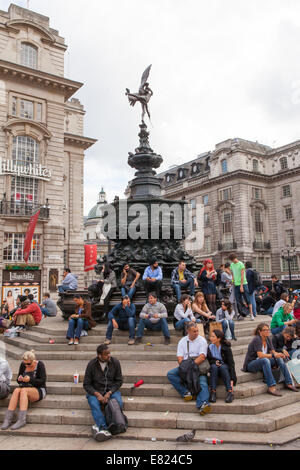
71	342
95	430
240	318
167	341
188	397
138	341
204	408
107	341
103	435
76	342
130	342
252	318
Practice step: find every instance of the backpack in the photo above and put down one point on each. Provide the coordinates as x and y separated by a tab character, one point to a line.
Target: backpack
115	419
257	279
242	309
189	376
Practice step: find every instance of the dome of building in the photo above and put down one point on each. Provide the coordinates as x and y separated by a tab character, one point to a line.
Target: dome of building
95	212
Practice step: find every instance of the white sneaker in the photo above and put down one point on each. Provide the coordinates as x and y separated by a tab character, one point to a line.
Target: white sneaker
252	318
95	430
103	435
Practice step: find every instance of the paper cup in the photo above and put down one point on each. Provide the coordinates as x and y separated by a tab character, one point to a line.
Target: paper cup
76	379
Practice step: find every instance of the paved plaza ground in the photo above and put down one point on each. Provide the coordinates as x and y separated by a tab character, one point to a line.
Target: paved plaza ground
51	443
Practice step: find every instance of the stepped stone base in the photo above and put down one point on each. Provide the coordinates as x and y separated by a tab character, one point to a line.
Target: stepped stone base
154	410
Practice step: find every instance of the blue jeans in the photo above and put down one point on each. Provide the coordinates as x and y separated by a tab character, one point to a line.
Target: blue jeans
278	329
269	311
64	288
128	291
190	284
174	379
225	324
97	413
124	324
161	325
179	325
239	295
265	365
76	326
253	303
223	371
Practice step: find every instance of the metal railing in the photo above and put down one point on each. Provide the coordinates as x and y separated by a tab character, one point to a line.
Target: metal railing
262	245
227	246
22	209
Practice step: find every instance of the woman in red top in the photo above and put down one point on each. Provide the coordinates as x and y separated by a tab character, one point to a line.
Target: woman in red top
207	276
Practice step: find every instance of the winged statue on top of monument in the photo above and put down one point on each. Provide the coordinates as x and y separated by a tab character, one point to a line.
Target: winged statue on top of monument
144	94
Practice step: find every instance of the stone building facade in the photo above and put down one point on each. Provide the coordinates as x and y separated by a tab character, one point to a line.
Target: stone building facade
248	194
41	155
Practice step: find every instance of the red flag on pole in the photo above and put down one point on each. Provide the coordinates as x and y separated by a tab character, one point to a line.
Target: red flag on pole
29	236
90	259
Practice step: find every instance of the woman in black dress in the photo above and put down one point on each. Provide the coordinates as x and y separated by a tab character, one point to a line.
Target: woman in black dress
32	388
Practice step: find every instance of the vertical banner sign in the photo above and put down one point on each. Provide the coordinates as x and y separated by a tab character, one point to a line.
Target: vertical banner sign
29	236
90	259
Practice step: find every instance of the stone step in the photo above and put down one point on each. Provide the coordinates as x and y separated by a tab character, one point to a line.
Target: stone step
120	339
148	344
146	435
263	422
16	346
253	405
241	391
152	372
58	327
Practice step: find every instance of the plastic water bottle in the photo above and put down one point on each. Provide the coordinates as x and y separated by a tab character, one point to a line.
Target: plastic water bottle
212	440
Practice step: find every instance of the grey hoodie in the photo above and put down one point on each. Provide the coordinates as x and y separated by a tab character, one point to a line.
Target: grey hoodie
151	310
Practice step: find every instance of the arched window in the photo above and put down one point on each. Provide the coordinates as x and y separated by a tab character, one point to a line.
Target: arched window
29	55
224	166
25	150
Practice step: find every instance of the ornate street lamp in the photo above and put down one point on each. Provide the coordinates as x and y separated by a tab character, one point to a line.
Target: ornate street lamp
288	254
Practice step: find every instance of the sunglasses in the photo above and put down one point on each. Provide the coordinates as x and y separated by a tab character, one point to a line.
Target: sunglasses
27	363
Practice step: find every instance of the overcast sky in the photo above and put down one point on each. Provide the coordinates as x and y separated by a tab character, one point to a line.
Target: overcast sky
220	69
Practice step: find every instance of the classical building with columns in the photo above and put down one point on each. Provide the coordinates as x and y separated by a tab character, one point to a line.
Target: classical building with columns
249	195
41	155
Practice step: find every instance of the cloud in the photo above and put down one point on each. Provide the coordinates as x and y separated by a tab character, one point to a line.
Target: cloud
220	70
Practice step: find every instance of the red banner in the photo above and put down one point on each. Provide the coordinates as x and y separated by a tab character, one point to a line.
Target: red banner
90	259
29	236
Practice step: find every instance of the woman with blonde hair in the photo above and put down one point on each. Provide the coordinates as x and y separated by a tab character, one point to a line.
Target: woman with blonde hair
32	388
201	310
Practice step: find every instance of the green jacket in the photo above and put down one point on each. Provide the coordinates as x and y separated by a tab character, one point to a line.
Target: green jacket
280	318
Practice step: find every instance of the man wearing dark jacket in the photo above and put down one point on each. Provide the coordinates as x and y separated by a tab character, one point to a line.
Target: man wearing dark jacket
102	381
277	287
122	316
282	342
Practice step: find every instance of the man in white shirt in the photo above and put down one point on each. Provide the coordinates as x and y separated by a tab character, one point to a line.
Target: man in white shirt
198	351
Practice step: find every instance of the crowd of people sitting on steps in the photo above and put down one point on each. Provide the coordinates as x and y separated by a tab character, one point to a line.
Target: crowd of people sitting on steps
204	353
